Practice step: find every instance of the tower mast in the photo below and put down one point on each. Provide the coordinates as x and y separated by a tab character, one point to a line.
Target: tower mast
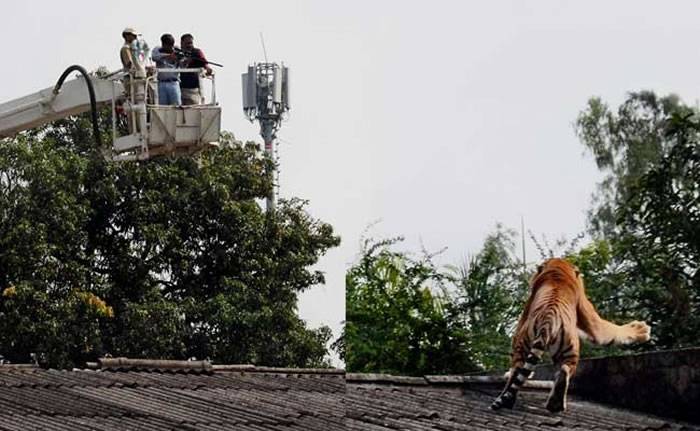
266	100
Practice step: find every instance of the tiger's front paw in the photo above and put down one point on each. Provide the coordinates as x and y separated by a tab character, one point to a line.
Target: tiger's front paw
637	332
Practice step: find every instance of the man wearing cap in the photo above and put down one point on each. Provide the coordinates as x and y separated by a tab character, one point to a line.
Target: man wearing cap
132	55
129	35
168	82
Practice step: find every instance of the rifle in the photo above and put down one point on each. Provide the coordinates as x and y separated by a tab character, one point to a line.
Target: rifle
188	54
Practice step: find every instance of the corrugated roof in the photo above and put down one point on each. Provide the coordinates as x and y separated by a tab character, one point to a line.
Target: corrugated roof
250	398
385	406
37	399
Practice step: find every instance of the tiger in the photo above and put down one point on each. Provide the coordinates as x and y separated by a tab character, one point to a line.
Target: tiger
556	313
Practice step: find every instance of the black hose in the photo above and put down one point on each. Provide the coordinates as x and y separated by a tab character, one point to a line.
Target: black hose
91	90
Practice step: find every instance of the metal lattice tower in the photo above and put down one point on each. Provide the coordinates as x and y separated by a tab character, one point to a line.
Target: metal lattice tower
266	99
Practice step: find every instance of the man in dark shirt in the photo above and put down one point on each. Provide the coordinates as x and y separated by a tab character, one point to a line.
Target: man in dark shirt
189	81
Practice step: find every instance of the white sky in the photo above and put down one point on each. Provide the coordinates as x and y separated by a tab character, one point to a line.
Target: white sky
440	118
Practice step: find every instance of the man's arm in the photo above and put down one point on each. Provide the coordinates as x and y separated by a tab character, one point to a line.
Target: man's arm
125	55
159	55
205	64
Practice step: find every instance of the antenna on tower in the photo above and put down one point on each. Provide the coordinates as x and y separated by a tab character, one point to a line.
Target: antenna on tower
262	40
522	238
266	99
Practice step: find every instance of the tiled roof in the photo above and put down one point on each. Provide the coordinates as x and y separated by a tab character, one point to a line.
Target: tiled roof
384	406
162	396
37	399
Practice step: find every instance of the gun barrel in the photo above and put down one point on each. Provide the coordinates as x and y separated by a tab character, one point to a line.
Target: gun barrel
185	54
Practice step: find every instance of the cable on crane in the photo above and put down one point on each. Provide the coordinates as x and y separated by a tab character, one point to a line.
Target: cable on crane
91	90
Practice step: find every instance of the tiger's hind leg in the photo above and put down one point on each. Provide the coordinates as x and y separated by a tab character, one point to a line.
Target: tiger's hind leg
567	360
519	373
557	397
507	397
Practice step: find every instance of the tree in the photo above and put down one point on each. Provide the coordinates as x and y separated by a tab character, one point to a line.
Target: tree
660	235
607	287
399	318
405	315
651	214
164	258
491	289
625	144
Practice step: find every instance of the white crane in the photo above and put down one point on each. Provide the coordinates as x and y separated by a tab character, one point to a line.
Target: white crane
153	129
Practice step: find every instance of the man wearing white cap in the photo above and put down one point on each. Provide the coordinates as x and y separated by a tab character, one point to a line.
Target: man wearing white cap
129	35
132	56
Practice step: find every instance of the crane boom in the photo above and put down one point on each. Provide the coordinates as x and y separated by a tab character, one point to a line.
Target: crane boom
153	129
44	106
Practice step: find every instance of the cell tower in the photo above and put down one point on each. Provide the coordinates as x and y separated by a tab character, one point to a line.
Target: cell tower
266	99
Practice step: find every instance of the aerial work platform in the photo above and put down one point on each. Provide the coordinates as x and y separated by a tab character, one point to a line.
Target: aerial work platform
153	130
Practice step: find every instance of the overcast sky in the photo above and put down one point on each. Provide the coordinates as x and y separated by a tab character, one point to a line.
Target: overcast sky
438	118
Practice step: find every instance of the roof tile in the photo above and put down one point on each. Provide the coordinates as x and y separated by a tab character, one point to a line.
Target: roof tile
256	399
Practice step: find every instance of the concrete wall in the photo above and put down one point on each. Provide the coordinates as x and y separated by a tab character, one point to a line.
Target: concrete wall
665	383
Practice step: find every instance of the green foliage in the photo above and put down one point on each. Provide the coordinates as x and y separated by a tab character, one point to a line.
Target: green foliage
650	151
606	286
660	235
643	262
178	249
406	316
399	319
625	144
490	292
49	324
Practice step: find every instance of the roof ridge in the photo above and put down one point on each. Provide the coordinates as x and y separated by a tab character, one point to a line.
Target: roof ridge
127	364
8	366
139	364
453	379
281	370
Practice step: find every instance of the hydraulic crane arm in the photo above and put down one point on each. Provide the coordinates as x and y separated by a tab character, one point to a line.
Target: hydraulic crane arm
45	106
153	130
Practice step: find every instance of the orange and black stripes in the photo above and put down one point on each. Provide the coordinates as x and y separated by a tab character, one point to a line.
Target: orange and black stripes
517	379
555	311
548	324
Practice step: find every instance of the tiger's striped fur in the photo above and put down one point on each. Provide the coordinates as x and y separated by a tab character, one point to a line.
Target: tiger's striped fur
554	314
